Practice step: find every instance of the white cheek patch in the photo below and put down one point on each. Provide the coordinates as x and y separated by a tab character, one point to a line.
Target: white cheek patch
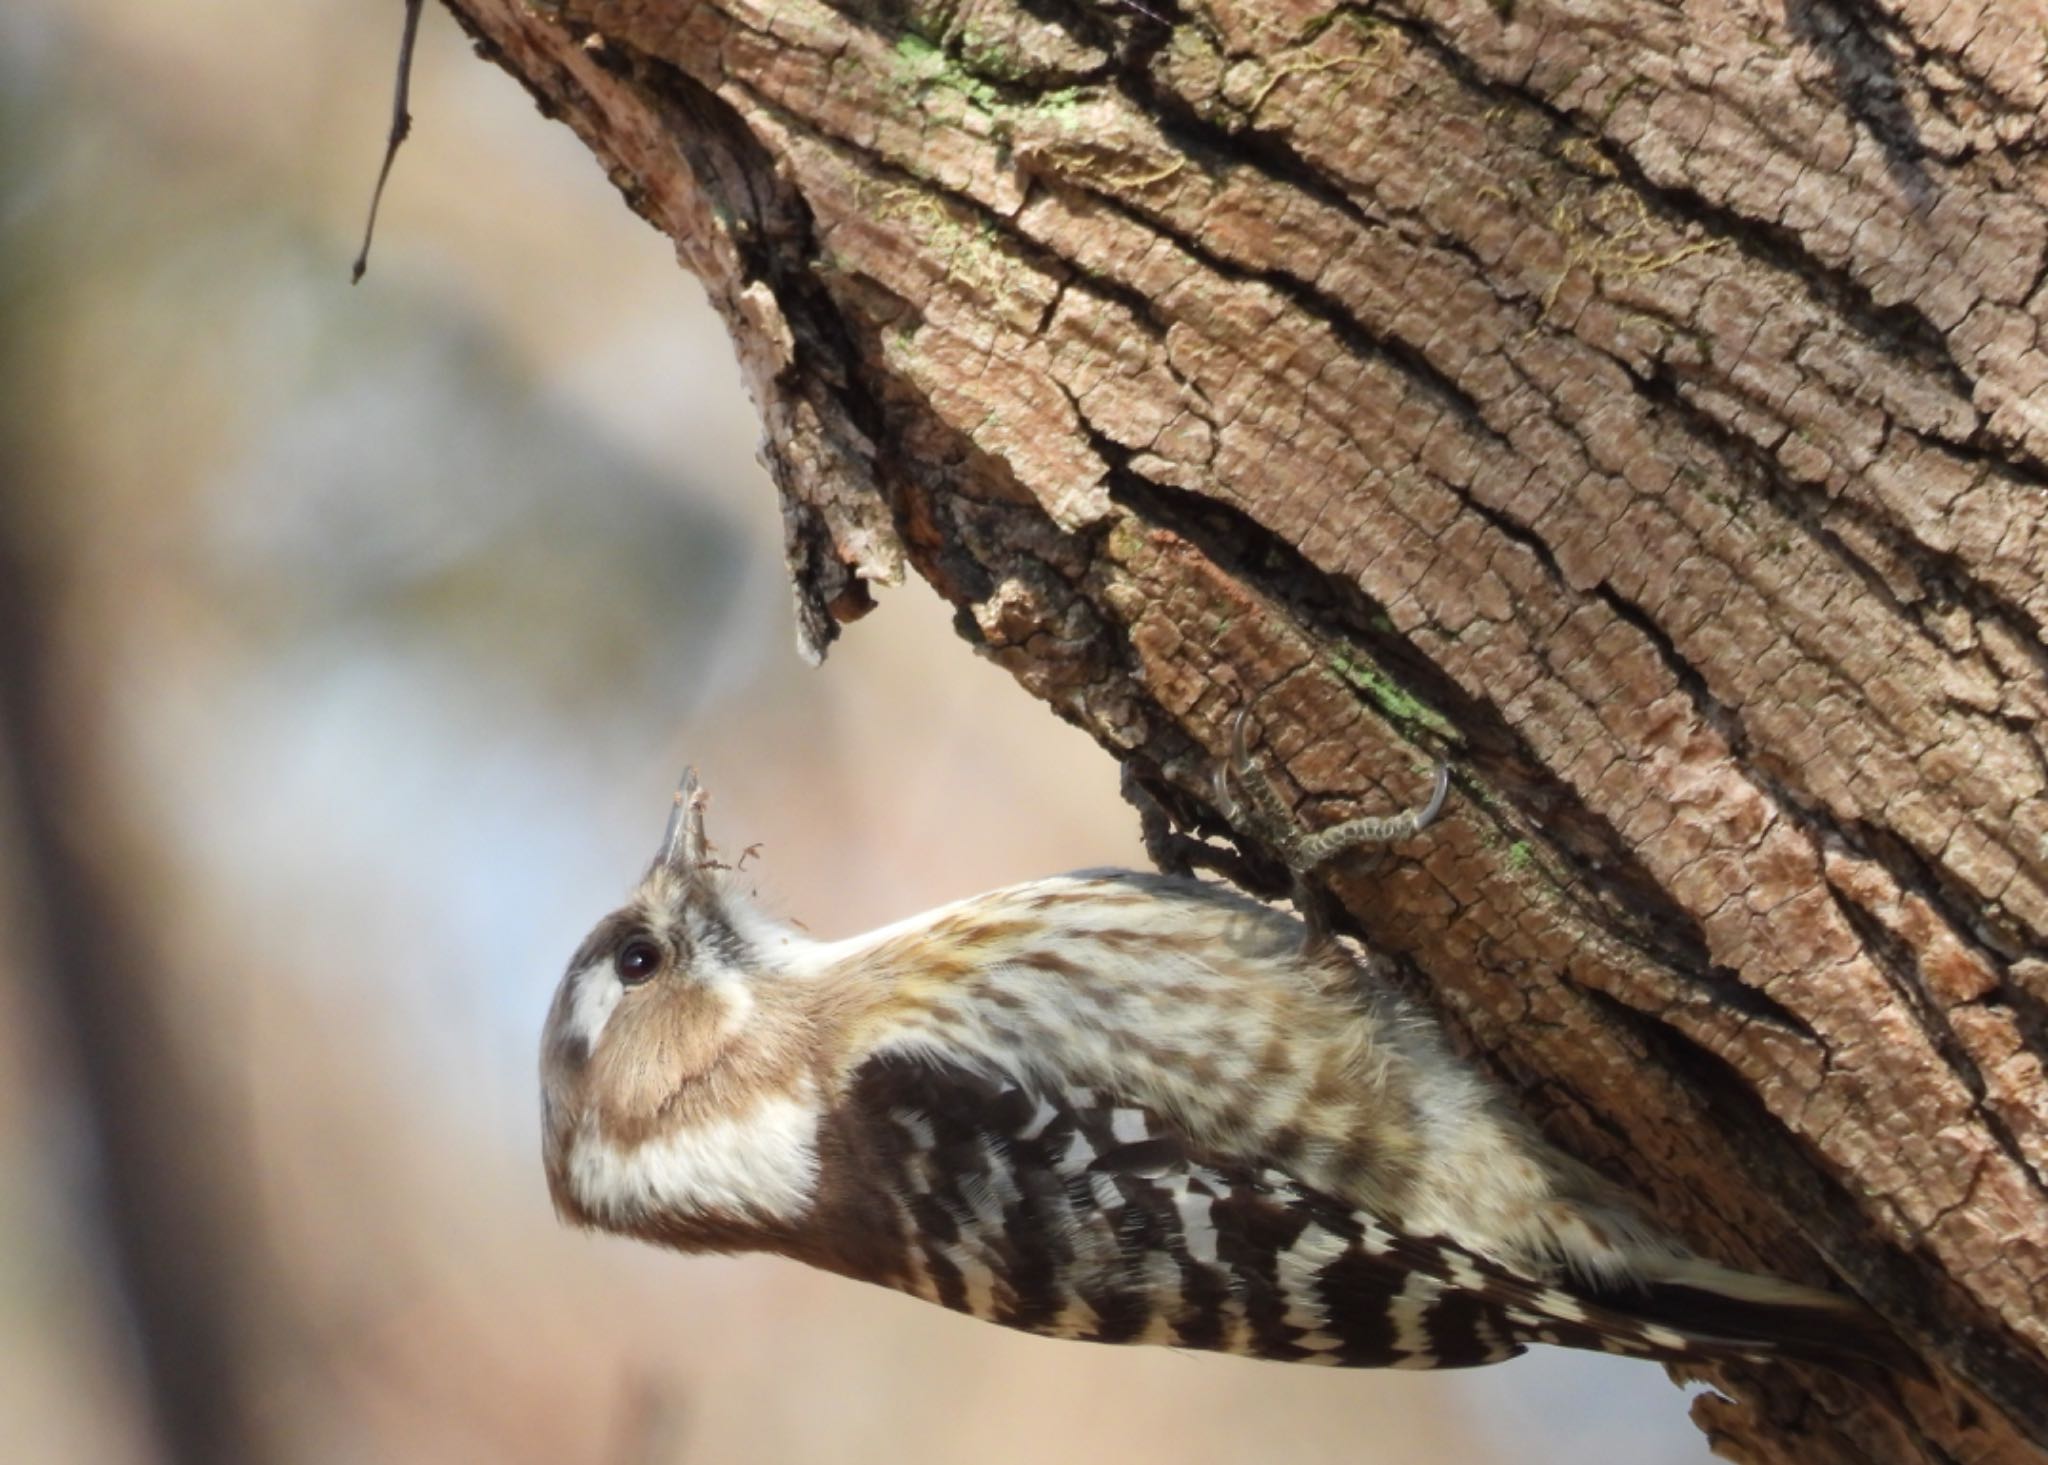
597	994
763	1163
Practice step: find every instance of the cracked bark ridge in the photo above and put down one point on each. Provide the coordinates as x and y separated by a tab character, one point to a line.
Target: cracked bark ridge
1645	408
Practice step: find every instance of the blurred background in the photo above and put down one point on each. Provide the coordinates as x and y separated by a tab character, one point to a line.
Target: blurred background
350	643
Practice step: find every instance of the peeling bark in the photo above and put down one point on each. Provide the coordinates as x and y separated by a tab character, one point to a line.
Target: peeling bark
1643	407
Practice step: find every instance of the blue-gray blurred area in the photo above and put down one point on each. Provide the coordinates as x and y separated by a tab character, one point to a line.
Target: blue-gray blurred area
370	628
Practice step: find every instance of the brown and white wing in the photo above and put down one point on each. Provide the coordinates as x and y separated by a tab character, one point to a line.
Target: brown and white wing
1072	1213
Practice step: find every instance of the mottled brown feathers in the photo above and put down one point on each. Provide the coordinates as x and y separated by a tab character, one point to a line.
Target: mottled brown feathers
1107	1106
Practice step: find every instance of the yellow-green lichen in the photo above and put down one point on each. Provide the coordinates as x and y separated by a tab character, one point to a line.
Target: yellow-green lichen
1351	66
1608	231
1391	698
922	66
967	246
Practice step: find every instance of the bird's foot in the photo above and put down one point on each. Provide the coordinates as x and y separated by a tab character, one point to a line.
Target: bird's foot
1264	815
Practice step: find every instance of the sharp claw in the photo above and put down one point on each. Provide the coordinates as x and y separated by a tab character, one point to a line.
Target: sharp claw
1265	817
1239	751
1340	839
1437	794
1233	767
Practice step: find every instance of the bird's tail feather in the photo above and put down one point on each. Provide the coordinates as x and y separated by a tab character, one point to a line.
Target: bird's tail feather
1716	1312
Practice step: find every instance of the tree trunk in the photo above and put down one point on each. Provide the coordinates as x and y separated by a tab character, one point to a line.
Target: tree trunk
178	1236
1643	408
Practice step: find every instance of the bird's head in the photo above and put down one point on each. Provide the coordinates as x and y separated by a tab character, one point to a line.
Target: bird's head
677	1094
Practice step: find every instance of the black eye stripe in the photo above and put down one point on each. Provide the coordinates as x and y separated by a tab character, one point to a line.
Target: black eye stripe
713	932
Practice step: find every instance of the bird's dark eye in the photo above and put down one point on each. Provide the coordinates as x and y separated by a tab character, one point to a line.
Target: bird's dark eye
637	960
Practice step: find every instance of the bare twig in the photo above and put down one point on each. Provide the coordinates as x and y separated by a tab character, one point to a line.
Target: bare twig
401	129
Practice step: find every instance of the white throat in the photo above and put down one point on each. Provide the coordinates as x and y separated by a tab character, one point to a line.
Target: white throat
762	1164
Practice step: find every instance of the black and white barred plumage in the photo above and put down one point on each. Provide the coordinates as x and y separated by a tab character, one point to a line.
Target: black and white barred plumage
1108	1106
1078	1216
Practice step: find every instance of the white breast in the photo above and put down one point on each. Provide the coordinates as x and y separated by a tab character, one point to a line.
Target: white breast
763	1164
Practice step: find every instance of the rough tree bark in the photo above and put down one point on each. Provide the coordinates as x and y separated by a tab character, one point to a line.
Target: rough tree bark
1644	407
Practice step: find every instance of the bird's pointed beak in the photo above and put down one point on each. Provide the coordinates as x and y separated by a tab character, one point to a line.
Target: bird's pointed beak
684	849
